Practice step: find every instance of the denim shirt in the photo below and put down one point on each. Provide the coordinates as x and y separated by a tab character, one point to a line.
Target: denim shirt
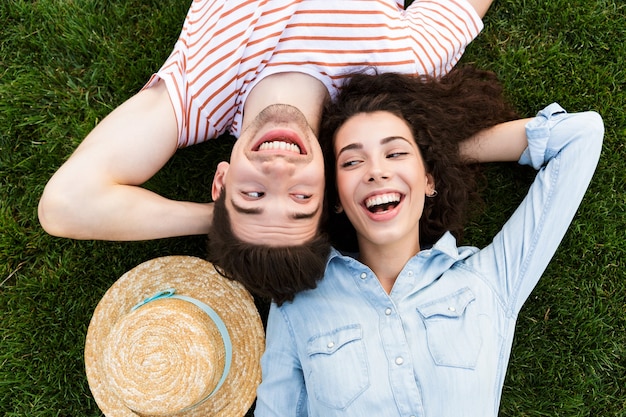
439	344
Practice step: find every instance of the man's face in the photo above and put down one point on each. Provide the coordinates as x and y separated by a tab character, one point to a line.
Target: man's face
275	180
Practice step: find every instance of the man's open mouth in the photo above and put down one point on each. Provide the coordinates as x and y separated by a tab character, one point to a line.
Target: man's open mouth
382	202
280	140
279	145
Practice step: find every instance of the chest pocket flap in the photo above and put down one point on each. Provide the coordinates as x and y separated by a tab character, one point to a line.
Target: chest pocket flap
452	306
331	342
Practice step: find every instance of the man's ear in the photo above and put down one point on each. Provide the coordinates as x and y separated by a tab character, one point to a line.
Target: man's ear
219	179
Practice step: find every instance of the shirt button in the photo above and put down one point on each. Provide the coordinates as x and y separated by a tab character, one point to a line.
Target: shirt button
388	311
363	275
452	309
330	345
410	273
399	360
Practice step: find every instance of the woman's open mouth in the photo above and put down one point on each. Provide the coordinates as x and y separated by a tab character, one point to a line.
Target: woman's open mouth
383	202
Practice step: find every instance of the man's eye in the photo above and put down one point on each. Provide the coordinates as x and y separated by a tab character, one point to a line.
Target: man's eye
253	194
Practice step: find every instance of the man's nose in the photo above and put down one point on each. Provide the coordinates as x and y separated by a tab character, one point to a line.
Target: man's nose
278	167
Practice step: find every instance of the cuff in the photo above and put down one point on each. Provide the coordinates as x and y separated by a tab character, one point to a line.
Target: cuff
538	134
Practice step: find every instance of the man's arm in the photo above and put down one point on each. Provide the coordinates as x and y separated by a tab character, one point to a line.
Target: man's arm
481	6
97	193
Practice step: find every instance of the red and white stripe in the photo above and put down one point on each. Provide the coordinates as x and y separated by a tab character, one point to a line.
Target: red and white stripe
227	46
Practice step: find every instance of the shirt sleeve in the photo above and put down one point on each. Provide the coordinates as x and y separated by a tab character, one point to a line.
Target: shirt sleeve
565	148
282	391
440	32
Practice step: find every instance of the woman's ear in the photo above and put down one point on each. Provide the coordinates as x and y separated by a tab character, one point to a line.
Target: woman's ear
430	185
219	179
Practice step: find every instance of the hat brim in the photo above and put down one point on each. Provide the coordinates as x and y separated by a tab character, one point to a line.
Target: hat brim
197	278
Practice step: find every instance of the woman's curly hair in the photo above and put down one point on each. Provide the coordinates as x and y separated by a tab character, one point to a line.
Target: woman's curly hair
441	114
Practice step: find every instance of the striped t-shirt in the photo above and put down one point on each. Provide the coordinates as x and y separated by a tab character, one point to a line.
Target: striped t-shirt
226	47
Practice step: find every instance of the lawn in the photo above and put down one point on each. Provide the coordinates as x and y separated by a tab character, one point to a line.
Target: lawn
65	64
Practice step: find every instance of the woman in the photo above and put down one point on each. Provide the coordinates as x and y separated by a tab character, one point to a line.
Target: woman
415	325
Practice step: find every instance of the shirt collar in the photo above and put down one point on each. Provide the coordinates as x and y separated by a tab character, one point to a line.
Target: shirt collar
421	270
446	245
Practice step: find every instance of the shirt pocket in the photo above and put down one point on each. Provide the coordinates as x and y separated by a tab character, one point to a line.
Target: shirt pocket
452	329
339	370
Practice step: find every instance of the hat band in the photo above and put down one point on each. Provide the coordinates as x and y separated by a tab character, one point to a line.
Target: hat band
221	327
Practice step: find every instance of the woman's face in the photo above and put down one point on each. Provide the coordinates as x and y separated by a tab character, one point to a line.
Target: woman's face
381	178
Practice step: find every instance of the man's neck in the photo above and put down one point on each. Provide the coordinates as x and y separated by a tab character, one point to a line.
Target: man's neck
296	89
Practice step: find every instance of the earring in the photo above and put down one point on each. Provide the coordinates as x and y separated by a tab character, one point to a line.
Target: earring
433	194
338	208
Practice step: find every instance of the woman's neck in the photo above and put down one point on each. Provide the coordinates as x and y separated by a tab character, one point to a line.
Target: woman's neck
388	260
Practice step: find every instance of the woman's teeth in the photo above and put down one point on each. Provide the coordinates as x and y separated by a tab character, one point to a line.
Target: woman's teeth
382	202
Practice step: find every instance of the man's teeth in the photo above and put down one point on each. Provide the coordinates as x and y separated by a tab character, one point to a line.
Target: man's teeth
382	199
279	145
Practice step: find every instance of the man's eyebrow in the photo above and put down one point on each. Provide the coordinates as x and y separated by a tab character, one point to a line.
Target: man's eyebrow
300	216
259	210
243	210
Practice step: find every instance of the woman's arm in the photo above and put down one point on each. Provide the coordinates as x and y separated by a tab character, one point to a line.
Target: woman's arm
501	143
565	148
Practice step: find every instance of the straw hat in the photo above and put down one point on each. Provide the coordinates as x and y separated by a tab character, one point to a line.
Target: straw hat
174	338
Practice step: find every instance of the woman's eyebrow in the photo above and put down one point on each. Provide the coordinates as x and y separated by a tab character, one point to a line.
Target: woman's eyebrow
349	147
358	145
392	138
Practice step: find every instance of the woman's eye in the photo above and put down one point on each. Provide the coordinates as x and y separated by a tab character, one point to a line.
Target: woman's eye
350	163
254	194
302	196
396	154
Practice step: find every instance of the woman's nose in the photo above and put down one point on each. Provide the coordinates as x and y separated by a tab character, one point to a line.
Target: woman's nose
377	173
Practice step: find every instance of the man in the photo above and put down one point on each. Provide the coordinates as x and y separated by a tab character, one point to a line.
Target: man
260	70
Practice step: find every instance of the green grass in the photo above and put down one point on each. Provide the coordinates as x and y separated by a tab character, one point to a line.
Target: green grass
65	64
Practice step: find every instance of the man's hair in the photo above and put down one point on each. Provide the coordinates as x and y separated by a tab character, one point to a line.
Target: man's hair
276	273
441	113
